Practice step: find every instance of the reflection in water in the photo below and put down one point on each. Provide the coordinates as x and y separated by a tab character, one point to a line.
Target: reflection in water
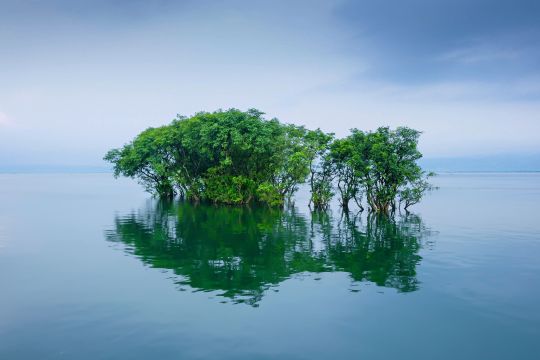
242	251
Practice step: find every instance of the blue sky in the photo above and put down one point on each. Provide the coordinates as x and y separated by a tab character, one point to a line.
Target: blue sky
80	77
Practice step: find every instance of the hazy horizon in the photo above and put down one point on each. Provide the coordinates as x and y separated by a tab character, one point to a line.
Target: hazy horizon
492	163
79	78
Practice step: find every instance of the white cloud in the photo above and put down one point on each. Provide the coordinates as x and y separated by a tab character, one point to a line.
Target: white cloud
480	50
458	119
482	53
87	91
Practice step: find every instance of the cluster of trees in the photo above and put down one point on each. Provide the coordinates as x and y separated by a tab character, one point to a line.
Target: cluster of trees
237	157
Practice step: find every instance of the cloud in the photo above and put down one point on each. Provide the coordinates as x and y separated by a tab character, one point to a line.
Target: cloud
482	53
80	79
458	119
405	41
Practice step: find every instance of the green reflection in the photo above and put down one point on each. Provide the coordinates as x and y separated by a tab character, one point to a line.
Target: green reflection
242	251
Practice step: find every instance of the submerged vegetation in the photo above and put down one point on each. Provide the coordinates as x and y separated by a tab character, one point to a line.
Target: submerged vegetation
236	157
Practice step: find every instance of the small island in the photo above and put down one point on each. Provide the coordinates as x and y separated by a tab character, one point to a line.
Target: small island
239	157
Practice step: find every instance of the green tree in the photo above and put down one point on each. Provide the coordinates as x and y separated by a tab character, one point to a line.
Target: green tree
239	157
230	157
342	154
413	192
146	158
317	145
385	163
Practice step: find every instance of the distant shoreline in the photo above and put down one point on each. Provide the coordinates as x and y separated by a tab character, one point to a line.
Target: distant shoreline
488	172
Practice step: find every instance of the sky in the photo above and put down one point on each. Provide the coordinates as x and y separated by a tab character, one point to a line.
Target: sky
80	77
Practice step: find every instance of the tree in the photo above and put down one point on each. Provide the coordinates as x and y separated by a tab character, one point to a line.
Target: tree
385	163
238	157
341	157
294	161
230	157
148	160
317	144
414	192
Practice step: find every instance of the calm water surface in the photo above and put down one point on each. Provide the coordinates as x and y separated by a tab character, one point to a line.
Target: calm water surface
92	268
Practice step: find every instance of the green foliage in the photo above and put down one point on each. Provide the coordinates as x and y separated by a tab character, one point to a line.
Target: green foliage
148	160
385	165
236	157
317	148
269	194
413	192
223	157
341	157
322	190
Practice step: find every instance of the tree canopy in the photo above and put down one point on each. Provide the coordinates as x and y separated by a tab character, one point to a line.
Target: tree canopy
237	157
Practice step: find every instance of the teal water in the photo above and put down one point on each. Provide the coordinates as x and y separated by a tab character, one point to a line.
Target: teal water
92	268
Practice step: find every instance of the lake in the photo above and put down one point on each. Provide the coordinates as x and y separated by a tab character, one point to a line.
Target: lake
93	268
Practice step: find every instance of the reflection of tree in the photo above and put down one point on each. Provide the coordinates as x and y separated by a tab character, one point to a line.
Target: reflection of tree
383	251
243	251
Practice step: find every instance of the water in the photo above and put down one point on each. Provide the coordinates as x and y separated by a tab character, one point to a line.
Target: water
92	268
